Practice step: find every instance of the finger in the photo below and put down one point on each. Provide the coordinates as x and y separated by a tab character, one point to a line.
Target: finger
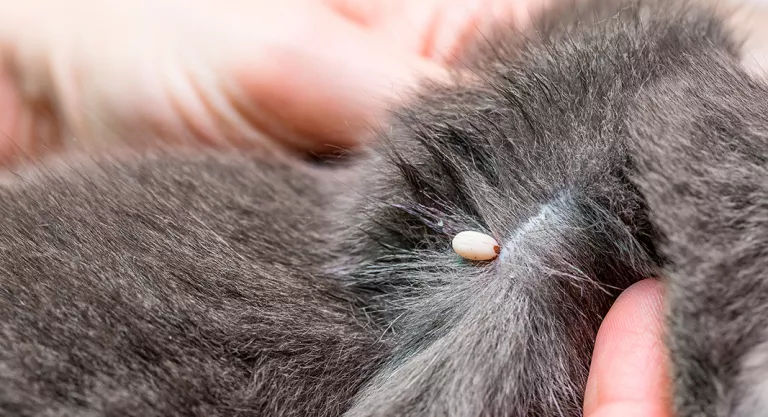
28	128
436	29
11	139
628	370
329	93
630	409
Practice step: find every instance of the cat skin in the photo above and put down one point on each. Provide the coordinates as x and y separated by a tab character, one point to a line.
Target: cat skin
613	142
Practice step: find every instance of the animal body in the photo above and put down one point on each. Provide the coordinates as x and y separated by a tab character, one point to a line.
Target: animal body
615	141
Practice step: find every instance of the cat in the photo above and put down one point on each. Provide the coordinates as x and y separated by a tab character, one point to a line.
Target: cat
614	141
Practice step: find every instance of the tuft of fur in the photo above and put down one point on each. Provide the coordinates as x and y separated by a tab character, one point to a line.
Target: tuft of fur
702	169
535	151
181	285
613	142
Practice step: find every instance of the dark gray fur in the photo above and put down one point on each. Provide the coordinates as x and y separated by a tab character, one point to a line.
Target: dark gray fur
613	143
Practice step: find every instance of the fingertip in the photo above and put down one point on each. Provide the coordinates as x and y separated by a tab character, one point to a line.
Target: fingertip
629	360
630	409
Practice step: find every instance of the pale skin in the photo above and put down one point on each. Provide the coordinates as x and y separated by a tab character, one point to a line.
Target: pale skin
628	376
311	75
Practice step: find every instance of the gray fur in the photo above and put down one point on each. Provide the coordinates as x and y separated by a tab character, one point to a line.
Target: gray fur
614	142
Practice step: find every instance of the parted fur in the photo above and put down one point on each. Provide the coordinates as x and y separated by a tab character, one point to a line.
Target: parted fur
616	141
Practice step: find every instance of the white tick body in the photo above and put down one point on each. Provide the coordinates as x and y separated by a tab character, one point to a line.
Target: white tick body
476	246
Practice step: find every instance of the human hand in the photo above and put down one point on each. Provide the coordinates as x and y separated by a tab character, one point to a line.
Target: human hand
628	375
307	73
